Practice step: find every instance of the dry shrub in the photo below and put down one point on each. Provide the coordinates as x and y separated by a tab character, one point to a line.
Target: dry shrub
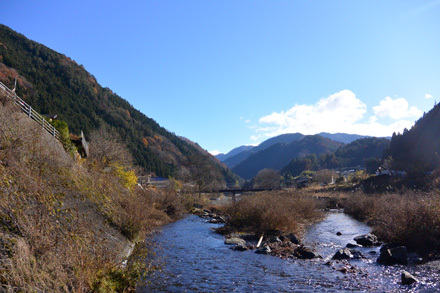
272	211
409	218
59	220
139	214
360	206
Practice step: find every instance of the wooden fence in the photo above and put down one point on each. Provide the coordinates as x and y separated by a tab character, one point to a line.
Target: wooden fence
31	113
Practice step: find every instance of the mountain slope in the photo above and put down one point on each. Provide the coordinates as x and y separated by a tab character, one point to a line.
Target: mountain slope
234	160
233	152
279	155
417	149
365	151
54	84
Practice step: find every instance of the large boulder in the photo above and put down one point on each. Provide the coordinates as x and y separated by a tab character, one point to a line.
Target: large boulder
393	255
367	240
407	278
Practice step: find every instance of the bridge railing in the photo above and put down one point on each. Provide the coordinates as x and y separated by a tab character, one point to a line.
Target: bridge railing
31	113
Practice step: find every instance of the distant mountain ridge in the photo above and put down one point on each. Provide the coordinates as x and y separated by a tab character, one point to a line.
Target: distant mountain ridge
233	152
279	155
342	137
234	157
239	154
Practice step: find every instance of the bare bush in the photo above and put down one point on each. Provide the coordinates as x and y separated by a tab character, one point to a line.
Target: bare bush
106	147
409	218
272	211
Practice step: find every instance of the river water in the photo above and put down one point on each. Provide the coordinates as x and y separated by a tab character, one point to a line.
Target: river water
195	259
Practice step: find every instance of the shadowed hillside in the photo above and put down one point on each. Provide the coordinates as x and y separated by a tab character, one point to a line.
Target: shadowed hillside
365	152
417	149
279	155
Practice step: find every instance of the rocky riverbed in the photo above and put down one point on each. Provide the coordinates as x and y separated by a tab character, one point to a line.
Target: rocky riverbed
197	259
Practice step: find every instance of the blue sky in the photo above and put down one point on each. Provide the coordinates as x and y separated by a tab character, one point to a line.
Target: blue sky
229	73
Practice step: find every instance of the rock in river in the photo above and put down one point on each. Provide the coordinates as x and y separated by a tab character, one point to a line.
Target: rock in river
240	247
264	250
407	278
347	253
292	238
393	255
305	253
367	240
235	241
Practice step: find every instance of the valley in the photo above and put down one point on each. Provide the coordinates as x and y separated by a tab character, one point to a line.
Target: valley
96	196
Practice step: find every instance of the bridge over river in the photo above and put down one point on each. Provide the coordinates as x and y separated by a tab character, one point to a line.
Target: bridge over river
236	191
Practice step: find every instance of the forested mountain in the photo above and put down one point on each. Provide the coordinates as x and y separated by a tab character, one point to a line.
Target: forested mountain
54	84
279	155
234	160
365	152
235	156
418	149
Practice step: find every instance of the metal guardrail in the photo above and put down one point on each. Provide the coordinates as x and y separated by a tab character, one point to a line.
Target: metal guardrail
31	113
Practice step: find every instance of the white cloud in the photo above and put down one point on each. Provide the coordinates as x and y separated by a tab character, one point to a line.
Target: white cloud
428	96
395	109
340	112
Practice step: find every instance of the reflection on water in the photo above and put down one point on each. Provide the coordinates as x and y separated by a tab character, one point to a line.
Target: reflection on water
197	260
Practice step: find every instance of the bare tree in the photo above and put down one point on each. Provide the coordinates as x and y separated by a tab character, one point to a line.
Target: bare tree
267	178
202	173
106	147
325	176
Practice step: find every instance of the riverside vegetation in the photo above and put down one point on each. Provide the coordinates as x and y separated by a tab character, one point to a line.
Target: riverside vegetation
407	218
69	224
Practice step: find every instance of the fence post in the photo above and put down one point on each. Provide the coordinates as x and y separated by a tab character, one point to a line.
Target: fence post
53	128
30	111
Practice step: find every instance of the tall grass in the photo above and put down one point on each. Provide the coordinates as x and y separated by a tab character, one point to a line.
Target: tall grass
408	218
276	210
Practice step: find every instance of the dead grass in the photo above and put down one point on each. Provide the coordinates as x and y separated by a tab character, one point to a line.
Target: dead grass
276	210
407	218
62	222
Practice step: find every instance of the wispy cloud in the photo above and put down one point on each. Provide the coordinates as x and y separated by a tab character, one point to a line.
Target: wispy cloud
339	112
428	96
425	7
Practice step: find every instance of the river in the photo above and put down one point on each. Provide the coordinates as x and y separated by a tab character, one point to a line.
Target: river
197	260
